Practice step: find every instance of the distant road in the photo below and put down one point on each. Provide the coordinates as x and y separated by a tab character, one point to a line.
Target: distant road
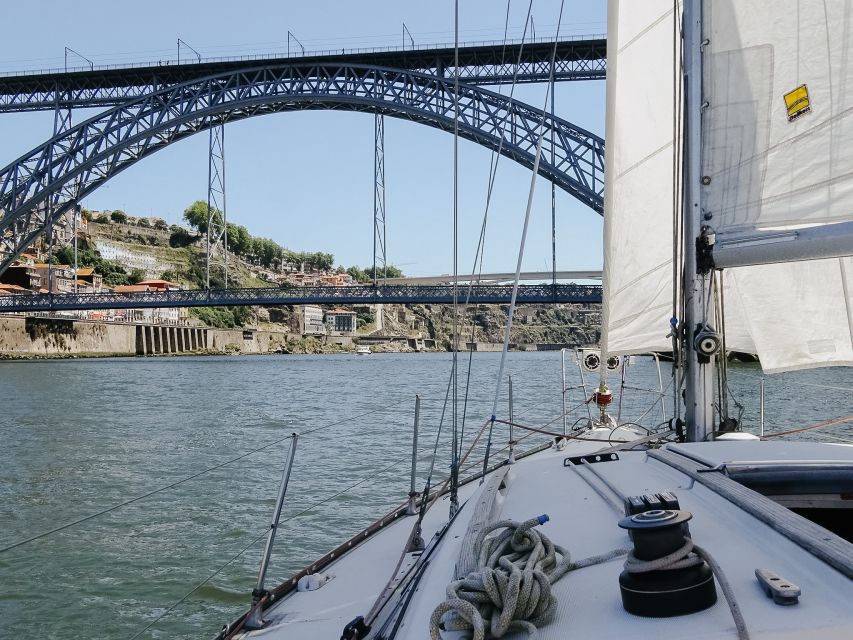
490	278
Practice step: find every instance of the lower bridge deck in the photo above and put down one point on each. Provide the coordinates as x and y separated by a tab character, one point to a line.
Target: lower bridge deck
381	294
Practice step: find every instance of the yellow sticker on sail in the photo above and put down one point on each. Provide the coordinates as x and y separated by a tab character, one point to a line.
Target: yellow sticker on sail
797	102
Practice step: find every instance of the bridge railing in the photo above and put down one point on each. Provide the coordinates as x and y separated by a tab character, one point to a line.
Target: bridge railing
387	294
284	55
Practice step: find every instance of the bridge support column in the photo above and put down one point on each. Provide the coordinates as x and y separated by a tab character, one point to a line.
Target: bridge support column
140	340
193	339
179	339
149	339
157	340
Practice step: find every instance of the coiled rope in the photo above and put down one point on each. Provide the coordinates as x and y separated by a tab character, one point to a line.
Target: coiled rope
512	587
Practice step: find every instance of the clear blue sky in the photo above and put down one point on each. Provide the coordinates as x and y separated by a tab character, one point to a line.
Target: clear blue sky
305	179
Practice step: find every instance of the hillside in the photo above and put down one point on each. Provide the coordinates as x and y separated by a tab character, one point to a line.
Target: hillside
175	253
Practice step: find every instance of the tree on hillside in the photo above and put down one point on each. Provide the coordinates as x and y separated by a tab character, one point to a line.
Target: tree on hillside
239	239
196	215
143	222
135	276
119	216
160	224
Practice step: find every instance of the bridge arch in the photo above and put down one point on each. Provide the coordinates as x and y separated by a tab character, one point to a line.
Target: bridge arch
71	165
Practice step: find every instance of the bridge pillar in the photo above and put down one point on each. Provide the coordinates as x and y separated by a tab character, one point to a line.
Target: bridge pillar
193	339
156	340
140	340
167	340
173	341
179	339
149	339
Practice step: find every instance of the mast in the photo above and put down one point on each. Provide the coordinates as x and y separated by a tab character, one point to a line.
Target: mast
697	336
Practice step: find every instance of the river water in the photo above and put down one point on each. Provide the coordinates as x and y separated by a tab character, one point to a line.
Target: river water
81	436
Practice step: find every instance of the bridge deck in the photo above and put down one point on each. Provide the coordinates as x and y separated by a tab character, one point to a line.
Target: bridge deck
383	294
492	63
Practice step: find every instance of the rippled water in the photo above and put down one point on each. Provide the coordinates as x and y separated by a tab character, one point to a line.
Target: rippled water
79	436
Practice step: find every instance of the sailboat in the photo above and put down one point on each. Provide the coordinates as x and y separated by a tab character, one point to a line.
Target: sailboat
729	225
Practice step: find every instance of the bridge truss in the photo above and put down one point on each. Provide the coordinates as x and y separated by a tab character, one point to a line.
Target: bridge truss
479	64
381	294
74	163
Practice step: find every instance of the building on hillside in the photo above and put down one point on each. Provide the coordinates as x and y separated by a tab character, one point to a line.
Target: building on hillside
311	321
23	275
90	278
341	321
336	280
161	285
130	259
34	276
13	289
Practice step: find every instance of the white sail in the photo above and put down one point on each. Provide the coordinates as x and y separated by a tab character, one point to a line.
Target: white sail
777	131
793	315
637	274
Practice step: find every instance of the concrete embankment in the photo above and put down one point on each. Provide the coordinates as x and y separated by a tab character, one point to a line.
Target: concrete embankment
60	337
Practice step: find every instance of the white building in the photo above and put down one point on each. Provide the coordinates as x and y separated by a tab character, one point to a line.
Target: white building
312	321
131	259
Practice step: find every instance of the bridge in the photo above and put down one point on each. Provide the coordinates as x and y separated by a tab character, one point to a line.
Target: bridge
495	278
382	294
152	106
491	63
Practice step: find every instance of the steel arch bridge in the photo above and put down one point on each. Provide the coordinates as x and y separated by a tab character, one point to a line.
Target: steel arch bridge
39	187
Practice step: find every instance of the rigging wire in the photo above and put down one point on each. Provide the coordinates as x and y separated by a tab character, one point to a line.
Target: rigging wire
532	190
177	483
493	167
454	471
337	494
200	584
677	208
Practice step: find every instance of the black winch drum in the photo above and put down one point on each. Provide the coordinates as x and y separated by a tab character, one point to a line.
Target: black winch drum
668	592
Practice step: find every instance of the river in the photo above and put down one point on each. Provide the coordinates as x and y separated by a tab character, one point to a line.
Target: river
81	436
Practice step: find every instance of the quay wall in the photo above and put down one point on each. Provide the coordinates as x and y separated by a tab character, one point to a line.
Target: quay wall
23	337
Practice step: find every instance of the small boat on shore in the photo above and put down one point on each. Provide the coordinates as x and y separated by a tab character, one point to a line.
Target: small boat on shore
362	350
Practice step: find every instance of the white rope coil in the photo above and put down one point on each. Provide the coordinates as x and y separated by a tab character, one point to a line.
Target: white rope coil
511	590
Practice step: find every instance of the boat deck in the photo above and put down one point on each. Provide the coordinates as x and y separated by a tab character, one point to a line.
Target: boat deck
584	522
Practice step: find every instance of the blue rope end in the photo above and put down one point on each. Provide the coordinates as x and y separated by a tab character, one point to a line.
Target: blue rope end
673	321
493	418
543	518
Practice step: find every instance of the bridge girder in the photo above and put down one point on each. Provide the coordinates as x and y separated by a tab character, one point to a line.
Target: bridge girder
381	294
74	163
484	64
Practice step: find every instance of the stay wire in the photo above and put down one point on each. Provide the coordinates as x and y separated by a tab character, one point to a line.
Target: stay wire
183	599
510	312
477	267
177	483
337	494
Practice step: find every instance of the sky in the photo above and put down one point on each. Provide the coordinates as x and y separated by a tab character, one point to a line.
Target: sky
305	179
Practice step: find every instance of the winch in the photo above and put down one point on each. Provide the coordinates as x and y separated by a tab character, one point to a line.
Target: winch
662	576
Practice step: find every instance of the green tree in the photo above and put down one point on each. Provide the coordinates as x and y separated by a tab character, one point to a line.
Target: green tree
135	276
160	224
143	222
119	216
239	240
196	215
103	219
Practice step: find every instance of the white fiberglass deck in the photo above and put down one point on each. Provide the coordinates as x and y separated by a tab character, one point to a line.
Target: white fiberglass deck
584	523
